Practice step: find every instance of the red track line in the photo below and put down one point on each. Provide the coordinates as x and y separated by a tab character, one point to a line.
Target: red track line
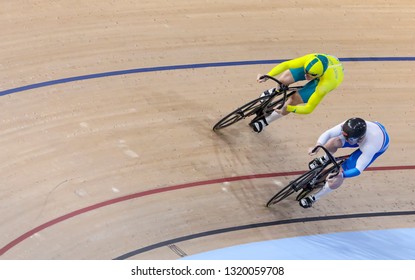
165	189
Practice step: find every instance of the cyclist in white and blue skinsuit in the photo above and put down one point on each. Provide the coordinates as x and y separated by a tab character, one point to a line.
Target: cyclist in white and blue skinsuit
370	137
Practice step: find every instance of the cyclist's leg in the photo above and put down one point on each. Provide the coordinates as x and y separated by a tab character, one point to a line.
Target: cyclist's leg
308	90
289	76
336	181
286	77
331	183
259	125
302	96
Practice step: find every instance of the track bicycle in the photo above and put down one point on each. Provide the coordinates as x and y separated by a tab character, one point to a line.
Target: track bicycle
312	180
261	106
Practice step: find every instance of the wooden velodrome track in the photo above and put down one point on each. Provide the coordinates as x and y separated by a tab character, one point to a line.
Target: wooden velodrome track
125	165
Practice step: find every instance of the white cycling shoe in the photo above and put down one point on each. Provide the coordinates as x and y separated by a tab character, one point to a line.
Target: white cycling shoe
307	202
259	125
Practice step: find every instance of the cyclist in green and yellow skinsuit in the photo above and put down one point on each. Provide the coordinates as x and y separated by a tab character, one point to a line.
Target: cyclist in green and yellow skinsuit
323	73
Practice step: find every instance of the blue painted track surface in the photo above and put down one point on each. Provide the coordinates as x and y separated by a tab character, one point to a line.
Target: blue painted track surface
392	244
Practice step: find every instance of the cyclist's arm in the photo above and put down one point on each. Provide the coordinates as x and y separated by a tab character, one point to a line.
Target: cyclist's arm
351	173
328	134
293	63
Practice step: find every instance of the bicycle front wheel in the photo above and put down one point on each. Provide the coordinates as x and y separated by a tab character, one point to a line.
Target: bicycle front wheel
298	184
242	112
284	193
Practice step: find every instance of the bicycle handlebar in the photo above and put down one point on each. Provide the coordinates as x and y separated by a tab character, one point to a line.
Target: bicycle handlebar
282	86
331	157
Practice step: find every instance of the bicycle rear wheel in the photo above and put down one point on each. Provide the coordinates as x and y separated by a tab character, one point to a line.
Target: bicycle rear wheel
242	112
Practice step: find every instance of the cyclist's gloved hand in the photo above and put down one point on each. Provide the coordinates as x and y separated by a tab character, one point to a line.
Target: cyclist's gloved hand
332	175
283	87
282	111
261	78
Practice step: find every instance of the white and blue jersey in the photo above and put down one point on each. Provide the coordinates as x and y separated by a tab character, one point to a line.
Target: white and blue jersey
375	143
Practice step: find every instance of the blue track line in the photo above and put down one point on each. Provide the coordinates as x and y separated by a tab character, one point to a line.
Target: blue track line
179	67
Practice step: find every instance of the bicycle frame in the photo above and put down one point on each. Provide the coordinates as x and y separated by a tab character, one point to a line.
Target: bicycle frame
260	106
310	179
322	171
269	105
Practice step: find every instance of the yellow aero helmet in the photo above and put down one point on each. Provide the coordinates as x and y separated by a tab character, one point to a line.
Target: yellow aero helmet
316	65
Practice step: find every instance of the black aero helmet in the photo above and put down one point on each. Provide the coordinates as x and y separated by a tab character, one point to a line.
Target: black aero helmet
354	128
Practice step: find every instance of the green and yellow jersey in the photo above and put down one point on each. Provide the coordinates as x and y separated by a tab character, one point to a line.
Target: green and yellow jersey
315	90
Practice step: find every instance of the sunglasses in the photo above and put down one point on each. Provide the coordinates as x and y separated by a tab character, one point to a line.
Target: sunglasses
352	139
314	75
